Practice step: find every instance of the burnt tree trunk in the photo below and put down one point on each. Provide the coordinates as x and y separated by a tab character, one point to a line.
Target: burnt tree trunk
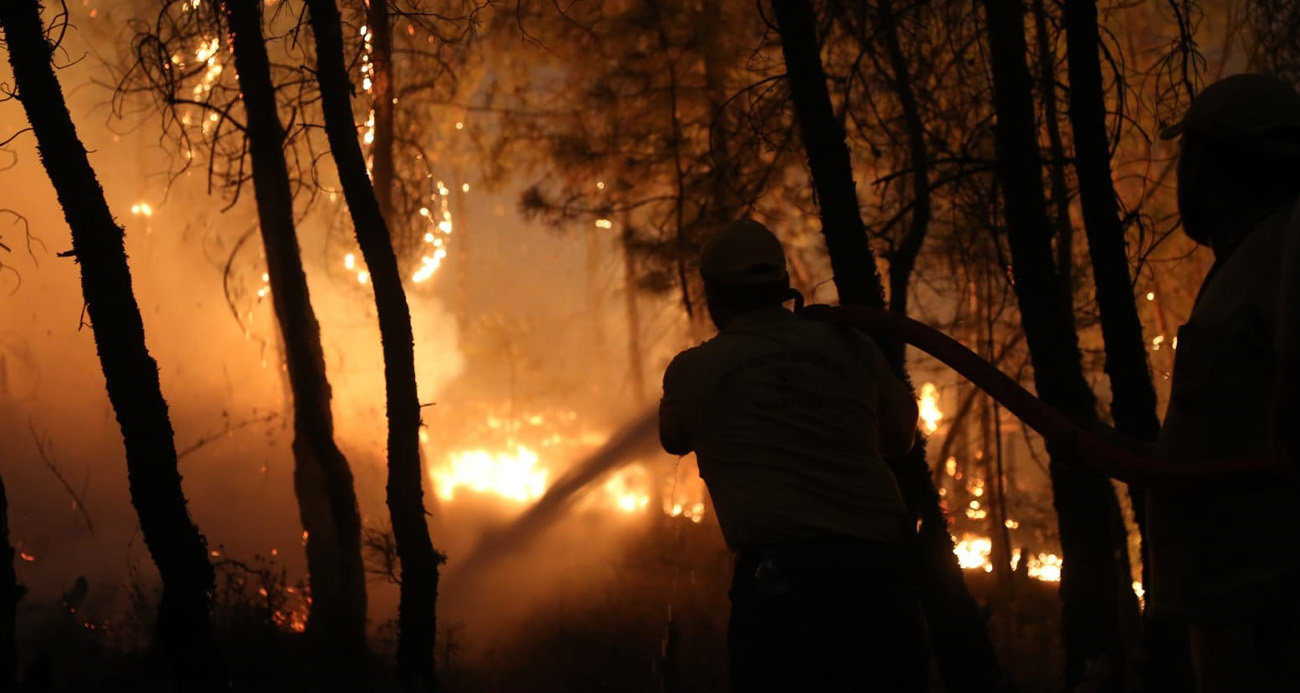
903	260
130	373
632	311
419	561
10	593
382	170
327	502
1056	169
1091	528
1133	401
958	631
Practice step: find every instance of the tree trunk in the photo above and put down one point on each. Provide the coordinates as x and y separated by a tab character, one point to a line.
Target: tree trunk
1056	169
1091	529
635	354
903	260
327	502
9	596
958	631
130	373
1133	400
460	213
380	32
419	560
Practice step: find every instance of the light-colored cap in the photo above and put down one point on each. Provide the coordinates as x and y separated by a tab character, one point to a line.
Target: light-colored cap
743	253
1248	109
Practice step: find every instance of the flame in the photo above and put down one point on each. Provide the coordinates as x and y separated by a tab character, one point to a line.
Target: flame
512	475
931	415
520	473
1045	567
974	553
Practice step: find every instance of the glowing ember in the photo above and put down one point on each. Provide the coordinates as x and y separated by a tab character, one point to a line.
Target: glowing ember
973	553
1045	567
628	489
929	406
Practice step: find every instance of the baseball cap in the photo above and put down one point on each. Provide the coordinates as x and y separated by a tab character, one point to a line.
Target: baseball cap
743	253
1250	109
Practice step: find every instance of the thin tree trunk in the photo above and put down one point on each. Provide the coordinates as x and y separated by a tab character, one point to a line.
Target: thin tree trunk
9	596
462	243
635	355
599	361
130	373
327	502
419	569
1056	169
723	204
958	631
903	260
1133	401
380	31
1091	528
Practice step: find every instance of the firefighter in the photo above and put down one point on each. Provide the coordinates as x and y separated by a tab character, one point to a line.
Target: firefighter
791	421
1225	558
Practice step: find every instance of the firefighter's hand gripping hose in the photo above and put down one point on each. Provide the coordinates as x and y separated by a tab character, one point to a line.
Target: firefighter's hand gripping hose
1060	431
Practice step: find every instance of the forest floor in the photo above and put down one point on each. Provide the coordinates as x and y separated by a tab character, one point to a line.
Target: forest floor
658	624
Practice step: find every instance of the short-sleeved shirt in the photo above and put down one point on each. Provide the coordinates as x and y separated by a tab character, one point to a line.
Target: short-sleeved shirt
1229	551
782	414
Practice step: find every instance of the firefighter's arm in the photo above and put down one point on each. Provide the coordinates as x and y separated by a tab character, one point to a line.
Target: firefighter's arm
673	434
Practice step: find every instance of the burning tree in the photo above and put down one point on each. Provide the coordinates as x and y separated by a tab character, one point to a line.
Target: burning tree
130	373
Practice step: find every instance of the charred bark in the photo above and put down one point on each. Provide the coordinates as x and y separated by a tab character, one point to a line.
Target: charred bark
1091	529
1056	168
903	259
1133	401
327	502
958	631
10	593
419	561
382	169
130	373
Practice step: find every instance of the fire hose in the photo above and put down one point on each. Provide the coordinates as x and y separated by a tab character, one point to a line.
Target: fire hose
1060	431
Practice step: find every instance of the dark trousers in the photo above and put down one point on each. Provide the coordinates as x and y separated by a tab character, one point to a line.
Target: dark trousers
826	615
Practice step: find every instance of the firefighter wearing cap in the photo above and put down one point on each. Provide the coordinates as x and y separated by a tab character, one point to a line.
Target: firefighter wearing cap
790	420
1225	560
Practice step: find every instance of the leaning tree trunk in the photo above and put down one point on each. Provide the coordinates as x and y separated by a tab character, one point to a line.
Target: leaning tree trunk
419	560
957	629
903	261
9	596
382	169
1091	528
327	502
130	373
1133	402
1046	60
